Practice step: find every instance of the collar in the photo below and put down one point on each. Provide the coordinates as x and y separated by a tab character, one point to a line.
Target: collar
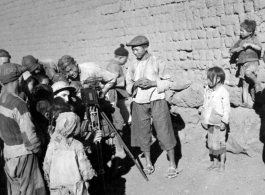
113	61
145	57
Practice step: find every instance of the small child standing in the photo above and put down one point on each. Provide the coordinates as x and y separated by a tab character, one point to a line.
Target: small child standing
215	115
66	166
248	49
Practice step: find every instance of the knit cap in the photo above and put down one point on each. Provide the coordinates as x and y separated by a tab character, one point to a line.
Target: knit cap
249	25
121	51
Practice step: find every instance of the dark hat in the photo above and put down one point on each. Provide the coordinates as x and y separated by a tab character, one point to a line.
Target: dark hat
121	51
10	72
30	63
4	53
137	41
249	25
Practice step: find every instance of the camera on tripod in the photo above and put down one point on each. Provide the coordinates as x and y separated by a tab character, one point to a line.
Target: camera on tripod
90	91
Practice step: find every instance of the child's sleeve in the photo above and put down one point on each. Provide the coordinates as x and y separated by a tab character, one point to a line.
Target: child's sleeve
86	170
226	107
236	45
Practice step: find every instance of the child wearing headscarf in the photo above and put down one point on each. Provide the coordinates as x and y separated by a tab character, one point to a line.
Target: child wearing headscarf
66	166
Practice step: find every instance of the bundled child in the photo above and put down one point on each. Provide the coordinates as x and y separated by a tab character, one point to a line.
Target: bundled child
66	166
248	49
215	115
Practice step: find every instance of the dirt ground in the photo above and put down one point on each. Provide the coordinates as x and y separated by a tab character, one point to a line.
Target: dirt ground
244	175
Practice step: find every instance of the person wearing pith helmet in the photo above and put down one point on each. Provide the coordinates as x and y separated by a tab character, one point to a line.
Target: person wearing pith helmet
22	145
147	82
62	89
4	57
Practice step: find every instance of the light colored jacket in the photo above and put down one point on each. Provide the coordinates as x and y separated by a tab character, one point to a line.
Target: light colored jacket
216	106
152	68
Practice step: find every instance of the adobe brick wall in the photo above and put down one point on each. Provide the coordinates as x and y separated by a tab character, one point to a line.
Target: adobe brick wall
189	35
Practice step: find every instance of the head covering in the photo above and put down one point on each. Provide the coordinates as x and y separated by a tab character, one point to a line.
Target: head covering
4	53
30	63
138	41
10	72
121	51
249	25
66	123
61	86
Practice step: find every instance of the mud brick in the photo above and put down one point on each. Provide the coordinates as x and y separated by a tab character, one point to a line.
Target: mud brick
249	6
239	8
201	34
229	9
204	13
214	43
193	34
230	30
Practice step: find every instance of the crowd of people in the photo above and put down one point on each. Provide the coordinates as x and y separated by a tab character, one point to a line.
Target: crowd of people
48	143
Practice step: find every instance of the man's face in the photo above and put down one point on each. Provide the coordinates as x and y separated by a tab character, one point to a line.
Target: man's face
244	33
63	94
139	51
4	60
123	60
72	71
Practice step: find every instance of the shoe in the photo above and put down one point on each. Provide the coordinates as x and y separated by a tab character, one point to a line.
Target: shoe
149	169
172	172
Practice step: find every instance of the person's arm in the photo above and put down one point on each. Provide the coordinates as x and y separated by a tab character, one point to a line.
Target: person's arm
235	48
226	107
115	69
86	170
47	162
256	45
27	128
118	120
129	79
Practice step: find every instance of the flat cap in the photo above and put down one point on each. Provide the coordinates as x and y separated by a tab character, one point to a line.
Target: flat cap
138	40
10	72
4	53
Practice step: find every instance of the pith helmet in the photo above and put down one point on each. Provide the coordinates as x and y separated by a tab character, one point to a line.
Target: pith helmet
138	40
61	86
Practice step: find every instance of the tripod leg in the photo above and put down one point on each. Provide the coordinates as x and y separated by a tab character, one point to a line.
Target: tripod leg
124	145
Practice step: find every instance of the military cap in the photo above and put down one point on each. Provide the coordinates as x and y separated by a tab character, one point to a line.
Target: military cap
138	40
10	72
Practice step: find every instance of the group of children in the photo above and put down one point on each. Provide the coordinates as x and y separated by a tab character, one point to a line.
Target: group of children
66	167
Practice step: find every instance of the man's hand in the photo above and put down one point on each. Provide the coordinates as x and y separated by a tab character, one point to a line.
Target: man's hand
138	82
146	84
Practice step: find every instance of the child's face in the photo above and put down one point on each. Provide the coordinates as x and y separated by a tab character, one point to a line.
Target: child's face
214	82
244	33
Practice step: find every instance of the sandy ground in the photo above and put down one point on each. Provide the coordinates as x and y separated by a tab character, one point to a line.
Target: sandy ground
244	176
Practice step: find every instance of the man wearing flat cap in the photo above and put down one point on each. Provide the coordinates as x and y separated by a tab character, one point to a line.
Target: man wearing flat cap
4	56
21	144
147	81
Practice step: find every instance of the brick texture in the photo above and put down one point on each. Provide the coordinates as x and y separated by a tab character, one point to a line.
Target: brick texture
190	35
